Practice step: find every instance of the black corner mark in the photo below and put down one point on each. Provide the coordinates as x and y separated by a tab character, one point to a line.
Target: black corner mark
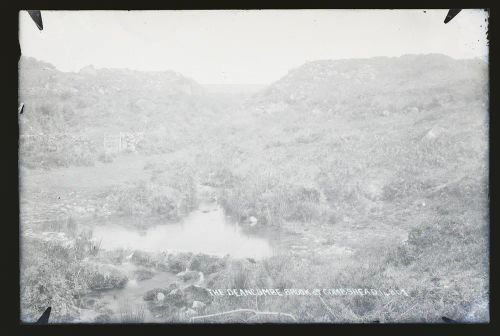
451	14
44	319
448	320
37	17
20	110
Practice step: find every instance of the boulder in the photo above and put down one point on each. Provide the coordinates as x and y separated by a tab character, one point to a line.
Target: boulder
176	263
153	293
177	297
190	276
252	221
167	305
206	263
160	296
196	293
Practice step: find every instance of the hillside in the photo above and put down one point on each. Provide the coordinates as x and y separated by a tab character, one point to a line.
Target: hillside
387	157
92	106
375	85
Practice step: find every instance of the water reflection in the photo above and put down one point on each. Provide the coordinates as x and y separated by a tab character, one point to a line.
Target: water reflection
206	230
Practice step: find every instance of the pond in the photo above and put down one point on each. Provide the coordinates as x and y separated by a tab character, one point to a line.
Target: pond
206	230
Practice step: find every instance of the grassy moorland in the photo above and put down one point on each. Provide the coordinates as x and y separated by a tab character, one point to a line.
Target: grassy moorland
394	169
361	173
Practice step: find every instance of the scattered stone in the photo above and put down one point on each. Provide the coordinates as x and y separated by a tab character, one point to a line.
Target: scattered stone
153	293
206	263
177	297
160	296
165	303
197	293
177	262
253	221
190	275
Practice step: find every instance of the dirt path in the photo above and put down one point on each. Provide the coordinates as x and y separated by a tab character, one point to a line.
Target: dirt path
122	170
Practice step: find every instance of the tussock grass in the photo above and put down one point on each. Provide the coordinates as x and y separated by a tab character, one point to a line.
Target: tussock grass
426	176
132	313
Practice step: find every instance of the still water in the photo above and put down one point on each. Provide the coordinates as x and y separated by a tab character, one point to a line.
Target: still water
206	230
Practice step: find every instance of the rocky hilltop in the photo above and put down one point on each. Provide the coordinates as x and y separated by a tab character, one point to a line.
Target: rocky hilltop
99	93
97	105
375	85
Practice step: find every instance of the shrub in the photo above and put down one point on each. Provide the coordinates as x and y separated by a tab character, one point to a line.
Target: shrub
53	275
170	194
271	200
99	277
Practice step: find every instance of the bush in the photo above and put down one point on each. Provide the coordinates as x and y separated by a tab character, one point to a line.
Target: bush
170	194
53	275
99	277
272	200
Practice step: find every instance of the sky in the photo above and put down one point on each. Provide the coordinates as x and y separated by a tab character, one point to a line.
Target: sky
244	46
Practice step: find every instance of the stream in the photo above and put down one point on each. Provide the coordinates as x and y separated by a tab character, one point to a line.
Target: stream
206	230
